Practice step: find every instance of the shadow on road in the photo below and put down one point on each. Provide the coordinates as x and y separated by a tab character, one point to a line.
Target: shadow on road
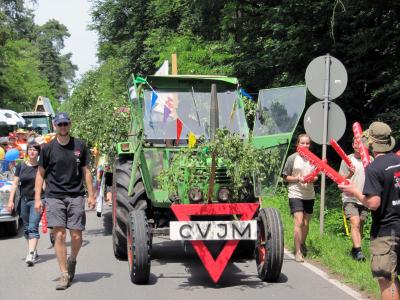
45	257
90	277
197	276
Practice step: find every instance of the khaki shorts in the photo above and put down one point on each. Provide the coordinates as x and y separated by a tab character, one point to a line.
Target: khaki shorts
385	257
66	213
352	209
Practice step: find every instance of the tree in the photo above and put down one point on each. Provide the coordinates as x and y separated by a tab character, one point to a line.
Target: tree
20	78
57	68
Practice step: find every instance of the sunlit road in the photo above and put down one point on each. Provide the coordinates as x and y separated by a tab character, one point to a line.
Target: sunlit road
174	275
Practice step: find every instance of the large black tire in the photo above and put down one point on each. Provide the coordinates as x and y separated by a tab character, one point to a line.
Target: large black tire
269	245
123	204
138	247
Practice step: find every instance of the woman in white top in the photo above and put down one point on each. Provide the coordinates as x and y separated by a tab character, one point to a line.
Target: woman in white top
301	195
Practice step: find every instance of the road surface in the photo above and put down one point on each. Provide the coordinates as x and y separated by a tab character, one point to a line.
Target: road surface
174	275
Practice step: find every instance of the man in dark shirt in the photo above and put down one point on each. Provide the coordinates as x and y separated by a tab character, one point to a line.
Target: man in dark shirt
64	165
381	194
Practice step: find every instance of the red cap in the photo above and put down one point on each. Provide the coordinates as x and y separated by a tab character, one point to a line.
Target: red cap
11	135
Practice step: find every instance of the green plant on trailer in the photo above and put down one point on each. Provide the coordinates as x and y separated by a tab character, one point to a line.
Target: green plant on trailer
165	112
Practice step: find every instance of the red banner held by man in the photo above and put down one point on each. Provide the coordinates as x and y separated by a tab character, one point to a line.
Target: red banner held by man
364	154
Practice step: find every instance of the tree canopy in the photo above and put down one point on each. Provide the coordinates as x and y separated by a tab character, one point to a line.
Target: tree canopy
263	43
31	63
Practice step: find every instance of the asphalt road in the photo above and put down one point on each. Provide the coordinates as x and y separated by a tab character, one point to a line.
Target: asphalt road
174	275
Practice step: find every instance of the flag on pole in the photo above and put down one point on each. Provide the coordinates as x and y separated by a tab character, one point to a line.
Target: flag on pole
192	140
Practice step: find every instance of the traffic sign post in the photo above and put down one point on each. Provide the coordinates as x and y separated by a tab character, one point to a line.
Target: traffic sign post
314	121
329	87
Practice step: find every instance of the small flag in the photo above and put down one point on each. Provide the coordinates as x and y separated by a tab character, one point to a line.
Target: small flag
240	103
244	93
154	97
179	125
132	93
192	140
140	80
167	111
233	111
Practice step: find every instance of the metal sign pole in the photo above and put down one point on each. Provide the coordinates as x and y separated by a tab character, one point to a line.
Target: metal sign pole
324	140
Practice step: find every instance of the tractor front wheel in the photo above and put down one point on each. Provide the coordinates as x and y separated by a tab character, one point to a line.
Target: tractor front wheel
138	247
269	245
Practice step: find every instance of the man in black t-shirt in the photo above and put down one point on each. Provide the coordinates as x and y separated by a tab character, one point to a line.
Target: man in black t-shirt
64	164
381	194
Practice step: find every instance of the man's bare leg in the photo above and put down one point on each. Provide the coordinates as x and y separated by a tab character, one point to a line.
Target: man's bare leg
389	290
76	242
60	247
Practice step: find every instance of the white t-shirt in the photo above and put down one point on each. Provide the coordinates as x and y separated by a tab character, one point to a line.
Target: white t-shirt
297	165
357	179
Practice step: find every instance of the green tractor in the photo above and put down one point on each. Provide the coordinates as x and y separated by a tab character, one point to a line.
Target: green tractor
165	112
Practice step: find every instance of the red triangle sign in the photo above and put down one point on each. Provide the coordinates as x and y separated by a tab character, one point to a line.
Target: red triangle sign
215	267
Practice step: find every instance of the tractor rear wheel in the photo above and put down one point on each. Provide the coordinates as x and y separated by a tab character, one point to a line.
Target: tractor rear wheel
269	245
138	247
123	204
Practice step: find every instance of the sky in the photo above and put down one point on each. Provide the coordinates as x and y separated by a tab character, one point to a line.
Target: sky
75	15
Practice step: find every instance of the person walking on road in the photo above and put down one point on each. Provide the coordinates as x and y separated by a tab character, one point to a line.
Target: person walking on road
64	164
381	194
24	177
353	209
301	195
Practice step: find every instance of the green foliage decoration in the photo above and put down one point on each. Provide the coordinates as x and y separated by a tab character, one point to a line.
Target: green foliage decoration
239	157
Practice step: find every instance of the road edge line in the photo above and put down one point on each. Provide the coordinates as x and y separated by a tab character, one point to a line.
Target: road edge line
348	290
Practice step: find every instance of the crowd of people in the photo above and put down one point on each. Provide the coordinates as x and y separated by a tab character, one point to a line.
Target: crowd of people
52	177
374	189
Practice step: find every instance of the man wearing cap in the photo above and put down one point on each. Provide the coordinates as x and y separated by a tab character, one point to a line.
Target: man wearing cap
64	164
381	194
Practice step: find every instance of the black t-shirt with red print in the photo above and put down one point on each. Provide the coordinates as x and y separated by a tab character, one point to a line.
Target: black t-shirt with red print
63	165
382	178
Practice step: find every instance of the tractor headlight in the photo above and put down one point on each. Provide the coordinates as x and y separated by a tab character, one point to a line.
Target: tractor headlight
223	194
195	195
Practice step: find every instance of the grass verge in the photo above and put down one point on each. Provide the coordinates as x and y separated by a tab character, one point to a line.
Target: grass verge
332	249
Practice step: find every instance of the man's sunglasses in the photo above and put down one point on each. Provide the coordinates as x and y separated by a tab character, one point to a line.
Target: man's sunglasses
63	124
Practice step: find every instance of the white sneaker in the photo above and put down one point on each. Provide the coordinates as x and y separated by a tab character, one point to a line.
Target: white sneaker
30	259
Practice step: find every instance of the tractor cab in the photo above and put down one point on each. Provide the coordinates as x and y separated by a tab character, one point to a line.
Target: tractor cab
174	107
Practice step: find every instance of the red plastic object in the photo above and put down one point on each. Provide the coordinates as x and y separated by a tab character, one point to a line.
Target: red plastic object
364	154
321	165
341	153
44	221
215	267
310	177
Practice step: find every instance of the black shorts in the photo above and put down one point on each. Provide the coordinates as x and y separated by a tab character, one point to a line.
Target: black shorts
297	204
